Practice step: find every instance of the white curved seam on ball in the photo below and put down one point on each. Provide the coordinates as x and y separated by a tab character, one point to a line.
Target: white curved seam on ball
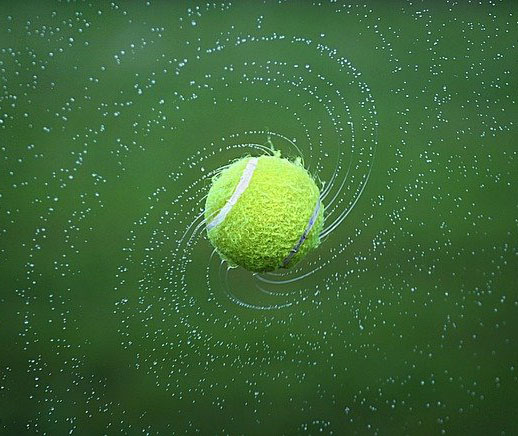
304	236
241	187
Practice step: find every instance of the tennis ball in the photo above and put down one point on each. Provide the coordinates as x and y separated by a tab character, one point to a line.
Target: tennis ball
264	213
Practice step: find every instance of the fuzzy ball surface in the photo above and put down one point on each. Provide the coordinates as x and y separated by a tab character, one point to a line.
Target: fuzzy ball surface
264	213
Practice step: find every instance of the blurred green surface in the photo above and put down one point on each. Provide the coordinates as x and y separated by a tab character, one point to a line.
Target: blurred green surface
111	117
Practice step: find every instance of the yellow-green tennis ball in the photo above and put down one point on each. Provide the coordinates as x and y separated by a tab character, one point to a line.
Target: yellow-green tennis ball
264	213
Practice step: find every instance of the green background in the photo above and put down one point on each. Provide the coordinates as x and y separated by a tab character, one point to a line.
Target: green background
116	316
